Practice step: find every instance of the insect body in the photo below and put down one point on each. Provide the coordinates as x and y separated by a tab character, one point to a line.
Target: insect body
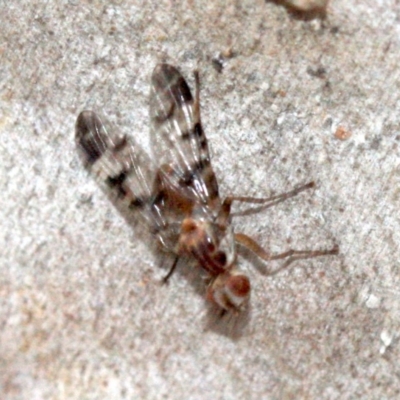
175	191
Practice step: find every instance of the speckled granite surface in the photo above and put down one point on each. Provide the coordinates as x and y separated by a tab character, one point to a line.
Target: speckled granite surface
82	312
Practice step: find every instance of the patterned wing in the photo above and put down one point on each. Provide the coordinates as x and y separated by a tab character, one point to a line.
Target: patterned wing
121	168
179	143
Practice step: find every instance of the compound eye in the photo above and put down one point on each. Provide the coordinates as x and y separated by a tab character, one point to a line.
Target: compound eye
230	291
238	286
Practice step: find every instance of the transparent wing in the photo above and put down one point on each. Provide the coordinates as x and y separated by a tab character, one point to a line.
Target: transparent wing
120	167
178	141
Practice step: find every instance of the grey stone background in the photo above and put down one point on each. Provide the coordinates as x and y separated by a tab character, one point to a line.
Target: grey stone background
82	311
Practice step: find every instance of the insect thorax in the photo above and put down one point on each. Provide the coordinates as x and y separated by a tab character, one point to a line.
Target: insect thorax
211	245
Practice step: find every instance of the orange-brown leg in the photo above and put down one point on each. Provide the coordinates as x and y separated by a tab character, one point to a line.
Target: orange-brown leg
268	201
291	255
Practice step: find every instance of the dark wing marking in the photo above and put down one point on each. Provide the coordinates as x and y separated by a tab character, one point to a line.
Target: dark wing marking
121	168
178	141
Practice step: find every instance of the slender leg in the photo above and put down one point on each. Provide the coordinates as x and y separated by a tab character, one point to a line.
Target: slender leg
171	270
266	202
291	255
225	212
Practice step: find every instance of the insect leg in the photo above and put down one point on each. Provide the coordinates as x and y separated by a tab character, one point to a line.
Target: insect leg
291	255
171	270
268	201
